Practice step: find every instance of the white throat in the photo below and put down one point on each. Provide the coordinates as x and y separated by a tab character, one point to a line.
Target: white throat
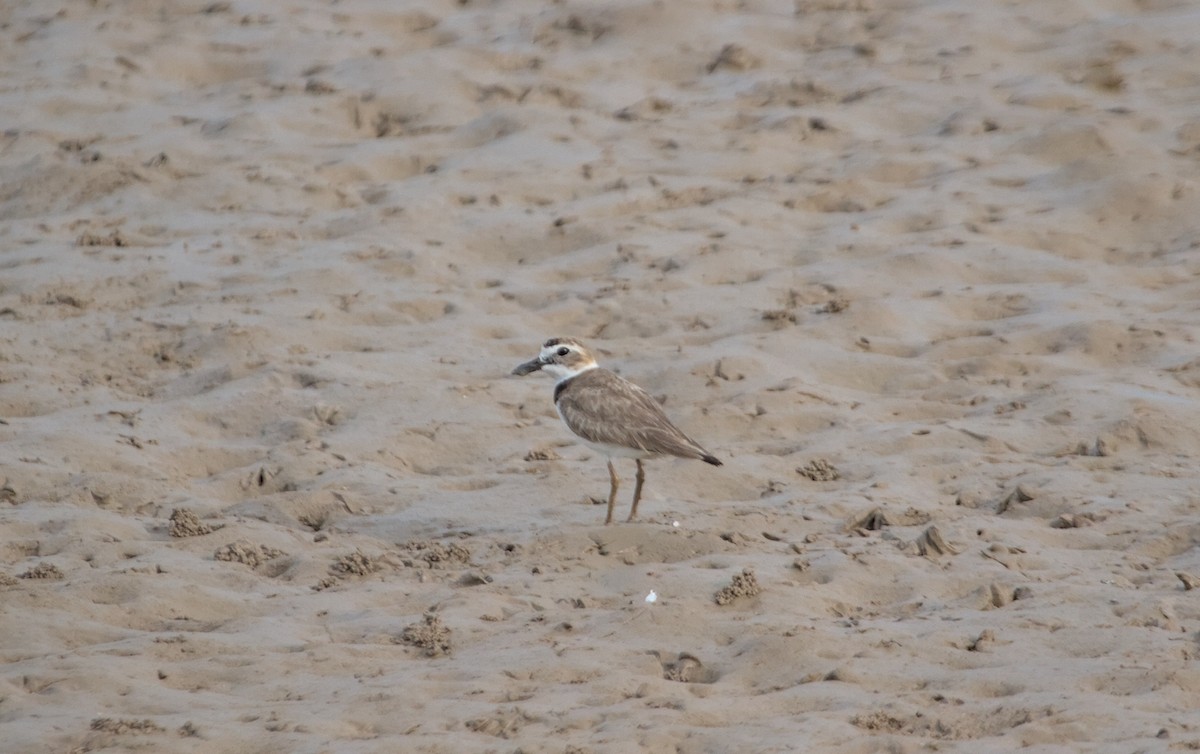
561	372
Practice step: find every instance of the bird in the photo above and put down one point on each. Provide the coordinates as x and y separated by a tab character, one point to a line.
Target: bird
610	414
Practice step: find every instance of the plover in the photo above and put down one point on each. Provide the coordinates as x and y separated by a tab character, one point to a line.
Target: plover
611	415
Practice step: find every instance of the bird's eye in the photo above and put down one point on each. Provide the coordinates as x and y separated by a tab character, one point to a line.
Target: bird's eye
564	351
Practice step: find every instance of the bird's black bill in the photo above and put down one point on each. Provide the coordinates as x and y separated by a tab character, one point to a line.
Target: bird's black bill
527	367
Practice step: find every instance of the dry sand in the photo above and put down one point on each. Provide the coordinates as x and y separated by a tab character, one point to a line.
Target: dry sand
923	274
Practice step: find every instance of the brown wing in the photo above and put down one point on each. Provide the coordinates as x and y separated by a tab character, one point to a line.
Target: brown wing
601	407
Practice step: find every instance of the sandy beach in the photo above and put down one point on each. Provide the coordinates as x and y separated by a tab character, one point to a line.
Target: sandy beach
924	275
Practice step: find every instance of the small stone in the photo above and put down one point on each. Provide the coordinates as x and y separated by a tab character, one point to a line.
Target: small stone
733	57
355	564
1190	582
43	571
247	554
686	669
1017	496
981	642
122	726
542	454
429	635
744	584
185	523
820	470
435	554
931	544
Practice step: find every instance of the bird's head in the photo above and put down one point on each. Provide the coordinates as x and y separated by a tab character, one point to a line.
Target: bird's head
561	357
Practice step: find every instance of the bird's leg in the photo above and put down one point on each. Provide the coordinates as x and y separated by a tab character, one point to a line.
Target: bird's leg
612	493
637	490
